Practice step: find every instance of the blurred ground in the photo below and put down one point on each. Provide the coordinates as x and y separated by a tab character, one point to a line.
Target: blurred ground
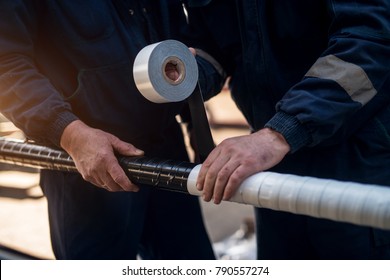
23	214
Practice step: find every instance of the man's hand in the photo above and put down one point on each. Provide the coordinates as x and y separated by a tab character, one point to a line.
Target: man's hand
93	153
235	159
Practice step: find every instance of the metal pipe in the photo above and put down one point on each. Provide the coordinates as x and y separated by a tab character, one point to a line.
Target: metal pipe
161	173
361	204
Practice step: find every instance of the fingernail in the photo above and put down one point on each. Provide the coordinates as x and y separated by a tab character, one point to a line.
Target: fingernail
198	187
139	152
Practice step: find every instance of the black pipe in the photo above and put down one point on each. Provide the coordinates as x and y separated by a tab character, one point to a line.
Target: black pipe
164	174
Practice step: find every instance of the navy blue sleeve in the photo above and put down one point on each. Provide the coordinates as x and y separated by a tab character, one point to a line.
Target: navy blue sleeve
27	97
347	85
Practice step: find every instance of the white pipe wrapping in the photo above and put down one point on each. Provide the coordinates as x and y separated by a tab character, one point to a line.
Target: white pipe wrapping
360	204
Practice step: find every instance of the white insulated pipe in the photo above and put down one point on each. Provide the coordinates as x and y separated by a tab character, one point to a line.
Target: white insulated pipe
360	204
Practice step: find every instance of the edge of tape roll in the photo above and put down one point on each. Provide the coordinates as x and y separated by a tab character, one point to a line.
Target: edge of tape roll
151	77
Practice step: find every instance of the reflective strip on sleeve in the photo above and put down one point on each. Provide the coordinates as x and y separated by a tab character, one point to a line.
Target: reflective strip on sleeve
349	76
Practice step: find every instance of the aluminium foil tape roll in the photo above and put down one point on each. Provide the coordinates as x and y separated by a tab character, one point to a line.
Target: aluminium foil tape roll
151	67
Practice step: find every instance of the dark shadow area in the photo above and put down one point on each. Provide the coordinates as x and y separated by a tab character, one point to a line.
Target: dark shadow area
17	193
237	125
7	253
12	167
22	192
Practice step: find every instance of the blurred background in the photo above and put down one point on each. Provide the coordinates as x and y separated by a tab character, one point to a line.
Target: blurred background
23	214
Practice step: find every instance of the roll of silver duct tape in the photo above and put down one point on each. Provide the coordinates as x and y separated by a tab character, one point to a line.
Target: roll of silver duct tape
165	72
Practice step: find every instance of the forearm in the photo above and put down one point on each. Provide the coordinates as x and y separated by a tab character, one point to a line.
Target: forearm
346	86
28	98
31	102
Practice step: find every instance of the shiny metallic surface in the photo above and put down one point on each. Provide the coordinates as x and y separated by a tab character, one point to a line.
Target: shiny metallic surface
161	173
27	154
150	72
164	174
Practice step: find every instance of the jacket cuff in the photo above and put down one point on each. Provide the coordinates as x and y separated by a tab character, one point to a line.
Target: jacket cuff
295	133
57	127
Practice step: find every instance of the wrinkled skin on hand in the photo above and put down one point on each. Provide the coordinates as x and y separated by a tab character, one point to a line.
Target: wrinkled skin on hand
235	159
93	152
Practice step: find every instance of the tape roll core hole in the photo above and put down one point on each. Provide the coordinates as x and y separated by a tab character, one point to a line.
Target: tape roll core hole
174	70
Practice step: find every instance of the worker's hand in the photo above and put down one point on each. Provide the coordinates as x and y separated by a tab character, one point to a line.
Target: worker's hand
93	153
235	159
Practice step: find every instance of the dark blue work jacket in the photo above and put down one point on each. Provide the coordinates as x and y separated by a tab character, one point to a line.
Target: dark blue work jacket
63	60
317	71
324	65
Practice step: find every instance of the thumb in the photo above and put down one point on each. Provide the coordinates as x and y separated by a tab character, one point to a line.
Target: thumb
192	50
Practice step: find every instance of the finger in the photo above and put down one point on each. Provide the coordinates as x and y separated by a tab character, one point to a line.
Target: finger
110	184
192	50
205	167
95	180
125	148
118	176
211	176
102	182
235	181
222	179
